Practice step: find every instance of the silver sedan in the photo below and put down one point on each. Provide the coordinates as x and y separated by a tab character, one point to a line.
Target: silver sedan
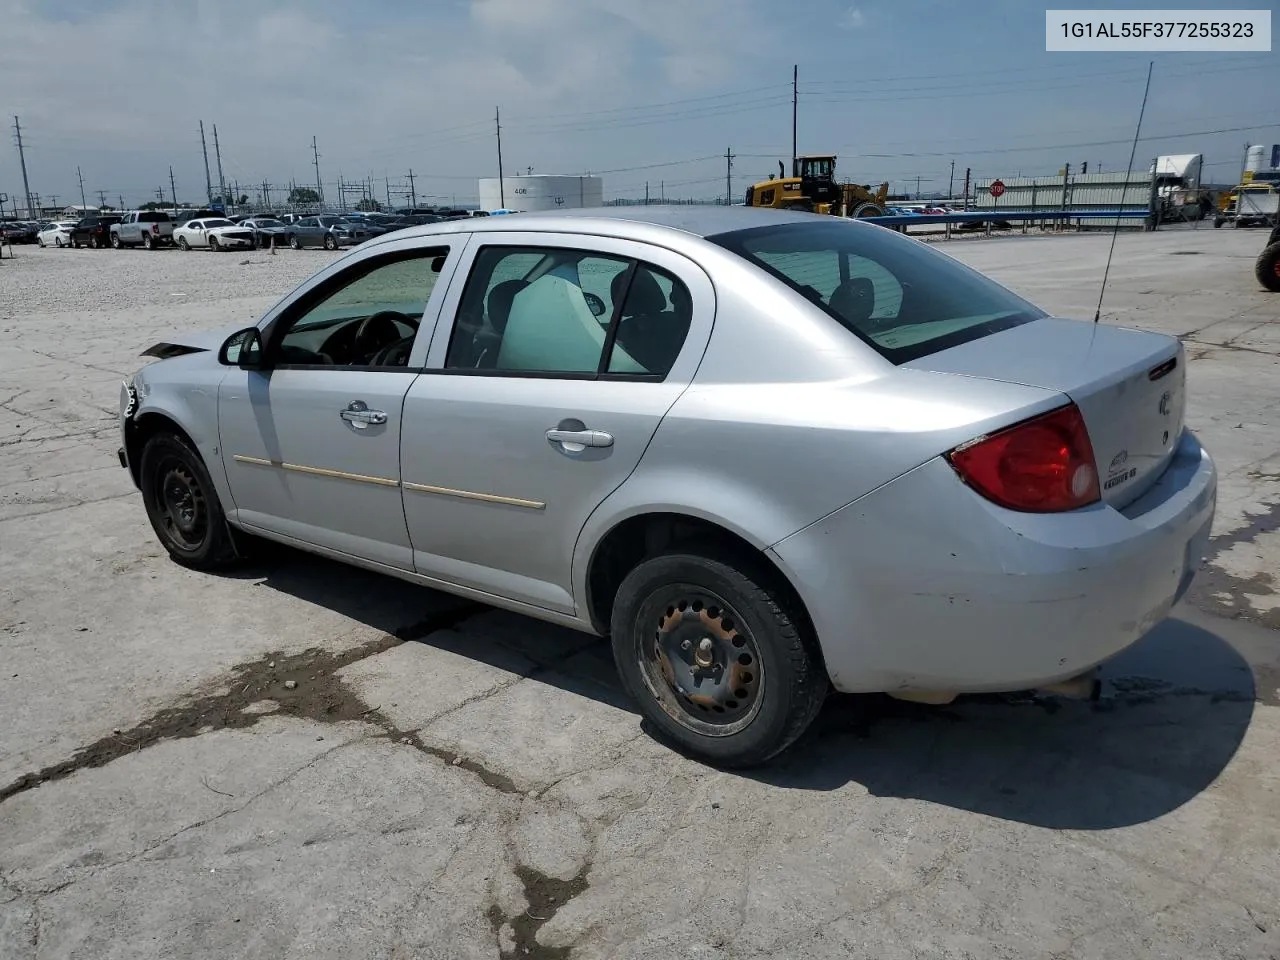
767	453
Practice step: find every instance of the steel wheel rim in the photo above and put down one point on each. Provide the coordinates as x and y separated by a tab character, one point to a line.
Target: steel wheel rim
699	660
181	505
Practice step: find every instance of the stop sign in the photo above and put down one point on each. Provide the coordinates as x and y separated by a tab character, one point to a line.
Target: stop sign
997	188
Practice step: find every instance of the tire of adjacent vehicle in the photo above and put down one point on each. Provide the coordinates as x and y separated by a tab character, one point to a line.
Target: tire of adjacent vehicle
794	680
115	241
182	244
148	242
1267	268
216	548
330	243
293	241
213	244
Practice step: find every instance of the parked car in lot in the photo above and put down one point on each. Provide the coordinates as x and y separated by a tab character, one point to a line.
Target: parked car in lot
265	230
20	231
766	452
330	232
56	234
146	228
216	233
93	231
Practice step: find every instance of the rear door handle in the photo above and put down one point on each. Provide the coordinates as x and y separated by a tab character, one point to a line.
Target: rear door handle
360	416
580	439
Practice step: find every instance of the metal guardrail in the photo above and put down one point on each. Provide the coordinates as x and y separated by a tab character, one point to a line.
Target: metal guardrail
994	216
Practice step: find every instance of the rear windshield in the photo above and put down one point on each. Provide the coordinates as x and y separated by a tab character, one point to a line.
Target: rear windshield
153	218
898	295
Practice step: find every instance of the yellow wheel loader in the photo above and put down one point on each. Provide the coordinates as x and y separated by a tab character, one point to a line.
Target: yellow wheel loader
812	186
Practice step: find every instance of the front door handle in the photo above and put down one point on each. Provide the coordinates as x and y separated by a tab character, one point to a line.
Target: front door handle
576	440
360	416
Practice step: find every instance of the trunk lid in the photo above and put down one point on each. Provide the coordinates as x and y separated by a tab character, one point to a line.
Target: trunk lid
1129	385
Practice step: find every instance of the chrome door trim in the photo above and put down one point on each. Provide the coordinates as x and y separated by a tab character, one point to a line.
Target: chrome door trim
315	471
472	495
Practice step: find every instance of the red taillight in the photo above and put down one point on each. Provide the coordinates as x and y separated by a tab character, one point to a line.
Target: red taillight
1042	465
155	228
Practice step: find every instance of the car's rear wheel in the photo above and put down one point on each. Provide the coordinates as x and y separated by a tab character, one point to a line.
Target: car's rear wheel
1268	267
717	656
293	241
148	241
330	242
182	244
115	241
183	505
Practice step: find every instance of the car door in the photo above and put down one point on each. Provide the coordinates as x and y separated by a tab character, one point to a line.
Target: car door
311	440
538	401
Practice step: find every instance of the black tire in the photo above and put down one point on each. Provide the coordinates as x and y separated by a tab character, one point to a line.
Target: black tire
183	245
867	209
330	242
293	241
115	241
1217	222
213	245
767	678
1268	267
148	241
182	504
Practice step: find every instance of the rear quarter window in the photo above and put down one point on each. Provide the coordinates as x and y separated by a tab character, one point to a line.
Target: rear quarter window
896	294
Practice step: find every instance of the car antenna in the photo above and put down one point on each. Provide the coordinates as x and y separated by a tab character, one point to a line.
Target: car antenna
1115	230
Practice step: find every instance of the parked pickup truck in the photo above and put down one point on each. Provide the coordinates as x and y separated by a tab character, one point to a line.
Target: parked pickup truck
148	228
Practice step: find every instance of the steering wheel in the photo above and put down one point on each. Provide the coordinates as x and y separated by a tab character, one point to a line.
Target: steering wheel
378	331
395	355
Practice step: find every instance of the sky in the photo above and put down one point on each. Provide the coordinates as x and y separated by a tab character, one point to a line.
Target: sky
636	91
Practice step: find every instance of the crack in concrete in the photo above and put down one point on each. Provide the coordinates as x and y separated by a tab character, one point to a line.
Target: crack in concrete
1212	583
304	685
545	896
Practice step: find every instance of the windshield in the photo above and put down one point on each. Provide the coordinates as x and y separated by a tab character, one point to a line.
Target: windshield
218	223
895	293
330	221
268	222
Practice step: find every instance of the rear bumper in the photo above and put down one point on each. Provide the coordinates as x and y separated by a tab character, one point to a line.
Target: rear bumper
923	584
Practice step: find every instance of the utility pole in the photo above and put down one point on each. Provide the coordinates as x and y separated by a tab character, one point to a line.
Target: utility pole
120	198
917	186
795	110
315	160
102	199
266	195
173	189
951	183
413	194
222	183
83	202
53	200
22	160
502	192
728	176
208	183
646	193
387	182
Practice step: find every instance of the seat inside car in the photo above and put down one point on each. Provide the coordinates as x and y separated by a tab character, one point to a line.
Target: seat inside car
487	340
550	327
855	301
652	331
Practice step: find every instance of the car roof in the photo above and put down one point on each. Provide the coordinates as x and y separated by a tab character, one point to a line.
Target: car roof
629	222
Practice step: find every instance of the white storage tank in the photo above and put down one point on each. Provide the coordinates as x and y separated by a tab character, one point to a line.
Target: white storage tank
1255	159
535	192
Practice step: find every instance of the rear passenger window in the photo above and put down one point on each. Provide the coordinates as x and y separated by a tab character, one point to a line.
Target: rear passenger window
553	311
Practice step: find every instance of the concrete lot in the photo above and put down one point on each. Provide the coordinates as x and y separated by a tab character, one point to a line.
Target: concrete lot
442	780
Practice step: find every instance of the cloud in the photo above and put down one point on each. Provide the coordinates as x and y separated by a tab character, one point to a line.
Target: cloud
853	19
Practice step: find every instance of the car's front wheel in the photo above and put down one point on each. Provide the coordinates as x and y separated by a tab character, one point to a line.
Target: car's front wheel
294	242
183	505
717	656
213	244
330	242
